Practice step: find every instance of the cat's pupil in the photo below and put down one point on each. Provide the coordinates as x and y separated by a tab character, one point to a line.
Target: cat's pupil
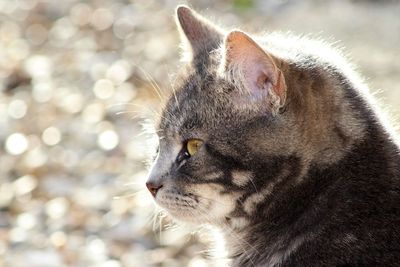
183	154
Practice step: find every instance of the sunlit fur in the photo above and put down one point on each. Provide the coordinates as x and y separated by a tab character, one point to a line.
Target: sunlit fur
314	184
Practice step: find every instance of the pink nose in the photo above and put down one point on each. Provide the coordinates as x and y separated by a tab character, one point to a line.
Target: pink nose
153	188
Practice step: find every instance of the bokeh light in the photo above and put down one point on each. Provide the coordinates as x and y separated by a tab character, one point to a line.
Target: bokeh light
16	144
17	109
108	140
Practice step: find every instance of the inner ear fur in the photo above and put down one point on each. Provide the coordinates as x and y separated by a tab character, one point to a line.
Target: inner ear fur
256	69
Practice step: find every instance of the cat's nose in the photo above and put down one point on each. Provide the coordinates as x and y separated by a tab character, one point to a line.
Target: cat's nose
153	188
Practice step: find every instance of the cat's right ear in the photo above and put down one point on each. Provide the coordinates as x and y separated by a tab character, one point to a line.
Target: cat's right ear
254	72
199	36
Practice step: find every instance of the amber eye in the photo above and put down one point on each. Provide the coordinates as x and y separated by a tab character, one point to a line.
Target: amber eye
193	146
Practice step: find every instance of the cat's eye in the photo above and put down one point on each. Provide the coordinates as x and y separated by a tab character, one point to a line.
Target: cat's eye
193	145
156	152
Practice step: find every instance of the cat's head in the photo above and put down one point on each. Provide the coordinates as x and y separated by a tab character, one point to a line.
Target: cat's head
231	115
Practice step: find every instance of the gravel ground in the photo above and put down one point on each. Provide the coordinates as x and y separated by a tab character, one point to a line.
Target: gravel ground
77	81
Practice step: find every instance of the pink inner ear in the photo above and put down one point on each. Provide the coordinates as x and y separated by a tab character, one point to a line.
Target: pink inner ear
255	75
259	73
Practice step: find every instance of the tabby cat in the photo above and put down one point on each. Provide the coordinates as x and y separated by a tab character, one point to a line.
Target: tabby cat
275	141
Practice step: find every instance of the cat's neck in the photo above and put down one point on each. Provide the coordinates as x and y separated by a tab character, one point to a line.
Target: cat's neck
269	232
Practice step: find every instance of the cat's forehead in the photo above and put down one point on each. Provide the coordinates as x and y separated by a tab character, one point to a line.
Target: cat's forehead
194	105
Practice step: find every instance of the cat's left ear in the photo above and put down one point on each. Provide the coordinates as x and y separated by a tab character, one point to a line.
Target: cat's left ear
254	71
199	36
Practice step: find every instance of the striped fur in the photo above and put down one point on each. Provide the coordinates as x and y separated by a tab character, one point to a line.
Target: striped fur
316	183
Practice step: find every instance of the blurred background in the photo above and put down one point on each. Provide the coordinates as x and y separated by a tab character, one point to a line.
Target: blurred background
77	82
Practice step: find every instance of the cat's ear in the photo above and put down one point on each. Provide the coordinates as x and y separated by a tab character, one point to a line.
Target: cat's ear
198	35
254	71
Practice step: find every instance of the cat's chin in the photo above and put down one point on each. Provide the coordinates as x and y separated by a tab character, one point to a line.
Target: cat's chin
193	217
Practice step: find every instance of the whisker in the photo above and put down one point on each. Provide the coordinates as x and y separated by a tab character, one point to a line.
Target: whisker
152	215
213	200
174	93
160	217
132	194
155	217
126	112
134	183
171	226
154	84
254	185
120	104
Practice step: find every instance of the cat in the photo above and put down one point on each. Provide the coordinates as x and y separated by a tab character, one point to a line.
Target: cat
275	141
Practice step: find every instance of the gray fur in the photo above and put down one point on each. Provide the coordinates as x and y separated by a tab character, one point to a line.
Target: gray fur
323	174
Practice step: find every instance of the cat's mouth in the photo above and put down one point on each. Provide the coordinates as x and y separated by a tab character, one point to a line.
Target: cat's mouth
200	205
185	206
178	204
